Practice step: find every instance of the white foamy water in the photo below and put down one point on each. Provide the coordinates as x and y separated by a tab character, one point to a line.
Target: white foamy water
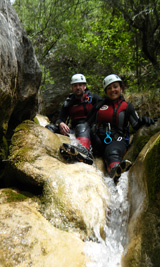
108	253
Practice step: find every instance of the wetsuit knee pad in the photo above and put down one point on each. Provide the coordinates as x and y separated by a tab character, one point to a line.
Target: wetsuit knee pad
82	129
116	148
113	155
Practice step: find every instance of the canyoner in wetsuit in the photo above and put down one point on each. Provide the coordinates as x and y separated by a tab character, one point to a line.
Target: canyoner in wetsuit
110	120
76	108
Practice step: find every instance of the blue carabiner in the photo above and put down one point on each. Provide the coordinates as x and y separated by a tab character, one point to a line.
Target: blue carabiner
108	138
89	99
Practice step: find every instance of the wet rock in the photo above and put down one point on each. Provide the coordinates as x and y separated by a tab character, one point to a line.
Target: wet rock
144	244
140	139
74	195
41	120
28	239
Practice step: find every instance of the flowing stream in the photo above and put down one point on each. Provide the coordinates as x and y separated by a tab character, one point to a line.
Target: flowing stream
108	253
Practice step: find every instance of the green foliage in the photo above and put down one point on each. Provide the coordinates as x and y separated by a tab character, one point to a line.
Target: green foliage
46	77
93	37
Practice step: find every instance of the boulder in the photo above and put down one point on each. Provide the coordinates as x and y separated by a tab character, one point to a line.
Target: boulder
74	194
28	239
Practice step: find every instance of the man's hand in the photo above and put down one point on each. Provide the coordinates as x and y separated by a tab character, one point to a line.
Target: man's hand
64	129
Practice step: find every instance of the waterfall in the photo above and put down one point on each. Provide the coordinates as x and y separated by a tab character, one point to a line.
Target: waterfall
108	253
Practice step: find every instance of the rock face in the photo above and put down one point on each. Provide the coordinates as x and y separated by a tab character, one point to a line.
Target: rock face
20	74
144	224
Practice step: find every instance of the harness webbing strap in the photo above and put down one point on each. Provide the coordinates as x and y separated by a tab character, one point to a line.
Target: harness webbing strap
92	114
85	109
115	114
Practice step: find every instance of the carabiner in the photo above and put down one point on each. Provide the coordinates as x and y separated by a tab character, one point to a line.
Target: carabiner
108	138
89	99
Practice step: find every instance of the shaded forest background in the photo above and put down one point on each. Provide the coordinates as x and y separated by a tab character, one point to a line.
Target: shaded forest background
95	38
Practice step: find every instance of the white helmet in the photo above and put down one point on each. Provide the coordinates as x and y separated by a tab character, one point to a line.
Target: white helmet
111	79
78	78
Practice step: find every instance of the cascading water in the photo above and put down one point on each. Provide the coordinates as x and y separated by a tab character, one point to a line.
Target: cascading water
108	253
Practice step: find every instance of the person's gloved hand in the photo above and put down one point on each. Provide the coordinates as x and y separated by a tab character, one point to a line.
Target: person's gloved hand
146	121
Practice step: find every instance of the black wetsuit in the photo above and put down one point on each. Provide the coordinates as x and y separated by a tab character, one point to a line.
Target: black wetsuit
113	119
76	111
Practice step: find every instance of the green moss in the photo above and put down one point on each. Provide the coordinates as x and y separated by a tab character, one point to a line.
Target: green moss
152	167
150	239
4	148
21	156
139	143
20	149
24	126
13	196
36	120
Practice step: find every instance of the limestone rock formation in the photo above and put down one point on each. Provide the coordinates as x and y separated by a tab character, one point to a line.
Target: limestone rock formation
144	231
74	194
71	204
20	73
28	239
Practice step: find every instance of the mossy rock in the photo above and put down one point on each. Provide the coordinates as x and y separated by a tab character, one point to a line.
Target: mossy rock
140	139
145	252
150	245
3	148
152	169
8	195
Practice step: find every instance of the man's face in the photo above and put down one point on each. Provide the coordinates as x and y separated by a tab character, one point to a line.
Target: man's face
78	89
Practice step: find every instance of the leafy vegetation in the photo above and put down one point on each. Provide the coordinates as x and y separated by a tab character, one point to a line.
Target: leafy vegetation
95	38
